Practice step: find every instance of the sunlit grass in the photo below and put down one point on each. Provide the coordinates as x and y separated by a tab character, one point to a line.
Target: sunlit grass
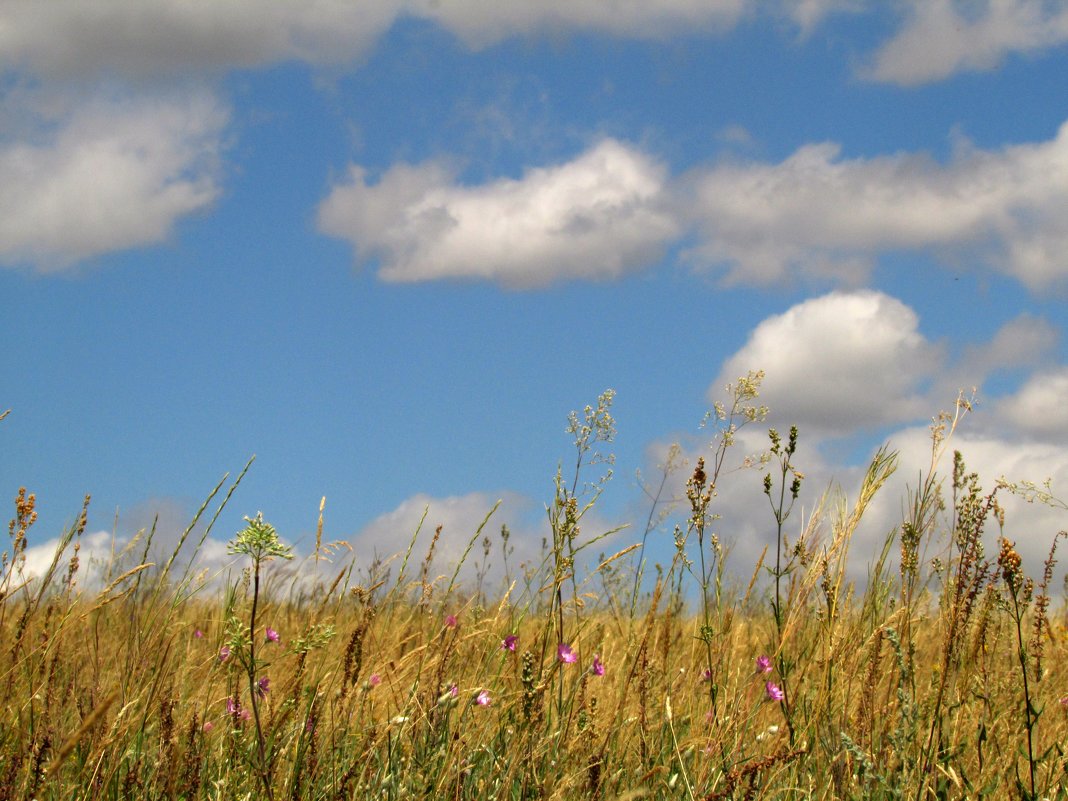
938	678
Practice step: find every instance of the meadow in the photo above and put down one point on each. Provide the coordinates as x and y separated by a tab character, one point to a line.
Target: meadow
580	674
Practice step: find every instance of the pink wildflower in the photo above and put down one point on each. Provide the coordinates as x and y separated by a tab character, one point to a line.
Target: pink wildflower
509	642
224	653
598	666
233	706
198	634
763	664
375	680
706	674
454	691
208	725
483	699
272	635
773	691
565	654
263	685
450	621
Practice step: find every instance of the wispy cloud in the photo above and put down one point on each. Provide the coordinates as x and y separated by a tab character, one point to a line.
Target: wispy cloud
597	216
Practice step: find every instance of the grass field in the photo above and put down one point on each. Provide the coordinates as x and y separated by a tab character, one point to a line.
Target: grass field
940	677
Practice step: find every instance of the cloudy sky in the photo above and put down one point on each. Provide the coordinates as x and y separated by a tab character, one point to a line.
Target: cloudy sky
388	245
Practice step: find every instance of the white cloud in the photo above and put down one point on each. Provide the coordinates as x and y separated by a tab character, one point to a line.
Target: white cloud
597	216
482	22
106	175
95	553
133	38
1031	525
388	536
1040	407
747	525
1021	342
807	14
942	37
838	363
822	215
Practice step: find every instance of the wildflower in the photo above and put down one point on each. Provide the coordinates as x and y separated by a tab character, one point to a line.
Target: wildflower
263	685
598	666
763	664
375	680
706	674
450	621
509	643
272	635
198	634
208	725
244	714
224	653
233	706
483	698
773	691
565	653
454	691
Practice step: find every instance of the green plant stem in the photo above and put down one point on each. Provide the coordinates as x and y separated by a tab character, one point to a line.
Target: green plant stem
252	681
1029	721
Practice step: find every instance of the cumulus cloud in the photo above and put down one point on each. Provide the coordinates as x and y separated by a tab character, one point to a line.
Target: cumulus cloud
482	22
134	38
746	524
597	216
105	175
72	38
387	537
1031	525
821	215
838	363
1039	408
943	37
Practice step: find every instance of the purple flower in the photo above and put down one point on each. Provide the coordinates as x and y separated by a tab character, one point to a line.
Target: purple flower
763	664
224	653
454	691
598	666
198	634
773	691
272	635
565	654
450	621
375	680
263	685
233	706
483	699
509	642
706	674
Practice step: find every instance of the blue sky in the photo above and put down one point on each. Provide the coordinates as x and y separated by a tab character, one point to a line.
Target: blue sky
387	246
